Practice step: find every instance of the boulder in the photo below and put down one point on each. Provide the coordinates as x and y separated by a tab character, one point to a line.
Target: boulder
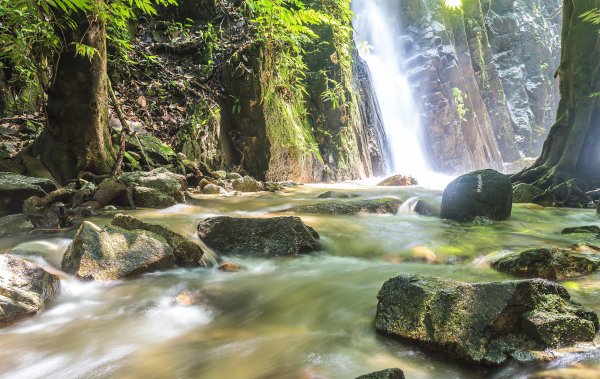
398	181
349	207
247	184
114	253
153	148
547	263
525	193
219	174
187	253
390	373
25	289
233	176
15	189
484	193
213	189
483	323
17	223
587	229
109	190
258	237
337	195
158	188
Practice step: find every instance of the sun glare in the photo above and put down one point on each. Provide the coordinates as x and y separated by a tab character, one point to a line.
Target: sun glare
453	4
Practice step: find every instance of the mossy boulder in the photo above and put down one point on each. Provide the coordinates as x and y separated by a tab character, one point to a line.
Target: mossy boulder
247	184
483	323
25	289
586	229
337	195
525	193
258	237
158	188
398	181
547	263
15	189
187	253
153	147
349	207
390	373
483	193
113	253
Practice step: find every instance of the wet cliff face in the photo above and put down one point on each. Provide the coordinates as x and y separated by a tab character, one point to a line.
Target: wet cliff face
482	75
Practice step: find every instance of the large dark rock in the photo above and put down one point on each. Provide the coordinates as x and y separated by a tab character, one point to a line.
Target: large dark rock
15	189
390	373
547	263
587	229
483	323
258	237
349	207
113	253
485	193
187	253
25	289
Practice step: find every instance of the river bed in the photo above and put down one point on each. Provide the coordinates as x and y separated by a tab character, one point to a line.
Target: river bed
307	317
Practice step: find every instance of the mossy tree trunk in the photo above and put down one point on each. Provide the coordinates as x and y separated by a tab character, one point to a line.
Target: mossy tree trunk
571	153
77	136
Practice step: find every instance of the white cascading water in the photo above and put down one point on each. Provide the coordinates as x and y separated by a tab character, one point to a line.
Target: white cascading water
375	34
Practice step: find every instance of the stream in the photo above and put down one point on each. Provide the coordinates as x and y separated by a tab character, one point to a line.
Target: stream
307	317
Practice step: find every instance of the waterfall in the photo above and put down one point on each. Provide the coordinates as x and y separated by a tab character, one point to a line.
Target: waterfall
376	32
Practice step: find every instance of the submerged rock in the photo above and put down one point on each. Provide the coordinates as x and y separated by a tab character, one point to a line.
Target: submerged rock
483	323
113	253
390	373
258	237
337	195
350	207
547	263
187	253
569	373
398	181
25	289
247	184
525	193
15	189
588	229
485	193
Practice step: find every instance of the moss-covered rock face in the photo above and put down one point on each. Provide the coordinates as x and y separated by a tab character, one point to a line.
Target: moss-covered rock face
483	323
484	193
547	263
350	207
258	237
525	193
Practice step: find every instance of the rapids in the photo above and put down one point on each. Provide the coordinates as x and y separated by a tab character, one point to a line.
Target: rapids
308	317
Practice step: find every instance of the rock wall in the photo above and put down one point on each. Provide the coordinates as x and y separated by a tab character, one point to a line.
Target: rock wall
483	76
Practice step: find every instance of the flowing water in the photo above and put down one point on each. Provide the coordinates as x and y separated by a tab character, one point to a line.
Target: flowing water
308	317
376	31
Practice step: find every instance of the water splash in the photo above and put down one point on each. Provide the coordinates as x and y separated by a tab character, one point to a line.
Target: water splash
375	35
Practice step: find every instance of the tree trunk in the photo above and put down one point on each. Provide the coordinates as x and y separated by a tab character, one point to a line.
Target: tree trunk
77	136
571	153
